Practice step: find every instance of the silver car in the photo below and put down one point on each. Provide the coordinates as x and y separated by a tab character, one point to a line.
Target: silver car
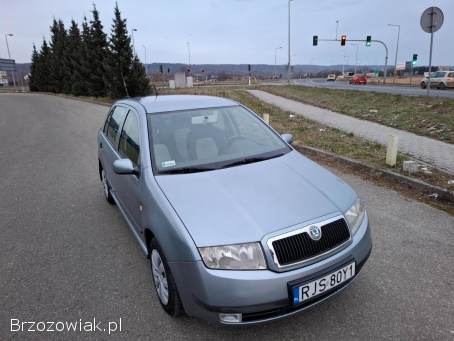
239	227
440	80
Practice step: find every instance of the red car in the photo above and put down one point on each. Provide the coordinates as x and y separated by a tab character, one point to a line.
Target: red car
358	79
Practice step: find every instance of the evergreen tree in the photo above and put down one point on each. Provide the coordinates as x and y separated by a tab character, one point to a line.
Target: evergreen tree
120	56
73	57
137	82
96	44
34	76
57	44
84	62
43	67
123	68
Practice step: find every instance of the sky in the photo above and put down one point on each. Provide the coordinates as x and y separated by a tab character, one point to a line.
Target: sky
244	31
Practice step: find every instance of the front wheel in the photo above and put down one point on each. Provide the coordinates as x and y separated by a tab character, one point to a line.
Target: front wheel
163	281
423	85
441	86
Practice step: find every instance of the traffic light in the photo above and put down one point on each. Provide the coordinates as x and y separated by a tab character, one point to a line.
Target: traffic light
415	59
168	70
249	67
314	40
160	68
368	41
343	40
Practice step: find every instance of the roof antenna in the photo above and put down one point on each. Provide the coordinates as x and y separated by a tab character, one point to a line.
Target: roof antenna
124	84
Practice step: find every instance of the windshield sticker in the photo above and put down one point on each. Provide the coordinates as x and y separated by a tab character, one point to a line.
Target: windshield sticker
168	163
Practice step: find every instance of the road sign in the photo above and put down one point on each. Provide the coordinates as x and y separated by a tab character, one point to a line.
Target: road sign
7	65
432	19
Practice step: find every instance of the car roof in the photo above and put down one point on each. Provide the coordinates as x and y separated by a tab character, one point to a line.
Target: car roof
163	103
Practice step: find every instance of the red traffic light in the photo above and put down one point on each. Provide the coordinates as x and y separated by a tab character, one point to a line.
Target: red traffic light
343	40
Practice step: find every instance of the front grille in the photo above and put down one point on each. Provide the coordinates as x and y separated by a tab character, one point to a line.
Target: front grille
301	246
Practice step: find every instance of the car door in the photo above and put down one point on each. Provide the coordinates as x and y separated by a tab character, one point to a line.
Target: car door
130	187
108	144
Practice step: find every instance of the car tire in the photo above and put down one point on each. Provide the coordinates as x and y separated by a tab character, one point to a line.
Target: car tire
441	86
106	188
423	85
164	282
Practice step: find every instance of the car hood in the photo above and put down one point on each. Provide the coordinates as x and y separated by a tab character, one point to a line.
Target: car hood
245	203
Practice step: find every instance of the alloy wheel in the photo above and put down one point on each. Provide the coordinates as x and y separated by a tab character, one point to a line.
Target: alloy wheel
160	277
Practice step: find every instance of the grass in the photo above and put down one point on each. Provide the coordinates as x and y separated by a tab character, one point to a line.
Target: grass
427	116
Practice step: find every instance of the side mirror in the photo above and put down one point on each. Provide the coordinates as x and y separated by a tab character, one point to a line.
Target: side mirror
123	166
287	138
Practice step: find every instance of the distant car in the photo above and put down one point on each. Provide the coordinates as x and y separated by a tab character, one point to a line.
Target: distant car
331	77
239	227
358	79
439	80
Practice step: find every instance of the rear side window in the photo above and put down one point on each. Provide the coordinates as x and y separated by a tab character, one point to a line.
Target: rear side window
115	123
129	139
451	75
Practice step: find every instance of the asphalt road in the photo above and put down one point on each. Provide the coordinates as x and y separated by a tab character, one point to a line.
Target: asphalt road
391	89
65	254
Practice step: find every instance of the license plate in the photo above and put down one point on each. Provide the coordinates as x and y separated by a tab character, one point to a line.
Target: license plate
317	287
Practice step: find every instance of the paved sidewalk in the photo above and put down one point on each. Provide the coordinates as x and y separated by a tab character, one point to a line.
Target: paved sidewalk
437	153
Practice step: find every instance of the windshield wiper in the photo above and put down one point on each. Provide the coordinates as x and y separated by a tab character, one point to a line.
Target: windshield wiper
251	160
186	170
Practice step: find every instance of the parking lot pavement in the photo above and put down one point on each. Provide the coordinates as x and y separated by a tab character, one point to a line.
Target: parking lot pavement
388	88
65	254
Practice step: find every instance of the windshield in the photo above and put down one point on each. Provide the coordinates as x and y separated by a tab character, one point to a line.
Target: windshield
207	139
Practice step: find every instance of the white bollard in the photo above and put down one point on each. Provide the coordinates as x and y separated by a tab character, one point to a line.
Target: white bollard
266	118
391	151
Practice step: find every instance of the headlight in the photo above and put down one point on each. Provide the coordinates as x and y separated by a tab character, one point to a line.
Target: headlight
247	256
355	215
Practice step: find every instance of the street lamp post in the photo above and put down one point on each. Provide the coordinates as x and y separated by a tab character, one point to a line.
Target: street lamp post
275	60
9	55
356	56
145	59
189	53
397	48
289	61
346	59
133	42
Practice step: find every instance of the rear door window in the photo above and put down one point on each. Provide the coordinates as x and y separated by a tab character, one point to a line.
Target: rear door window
115	123
129	145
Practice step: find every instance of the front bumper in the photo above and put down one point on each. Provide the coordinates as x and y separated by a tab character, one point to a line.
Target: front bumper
260	295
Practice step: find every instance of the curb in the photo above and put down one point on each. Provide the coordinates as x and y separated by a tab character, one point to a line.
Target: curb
417	184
